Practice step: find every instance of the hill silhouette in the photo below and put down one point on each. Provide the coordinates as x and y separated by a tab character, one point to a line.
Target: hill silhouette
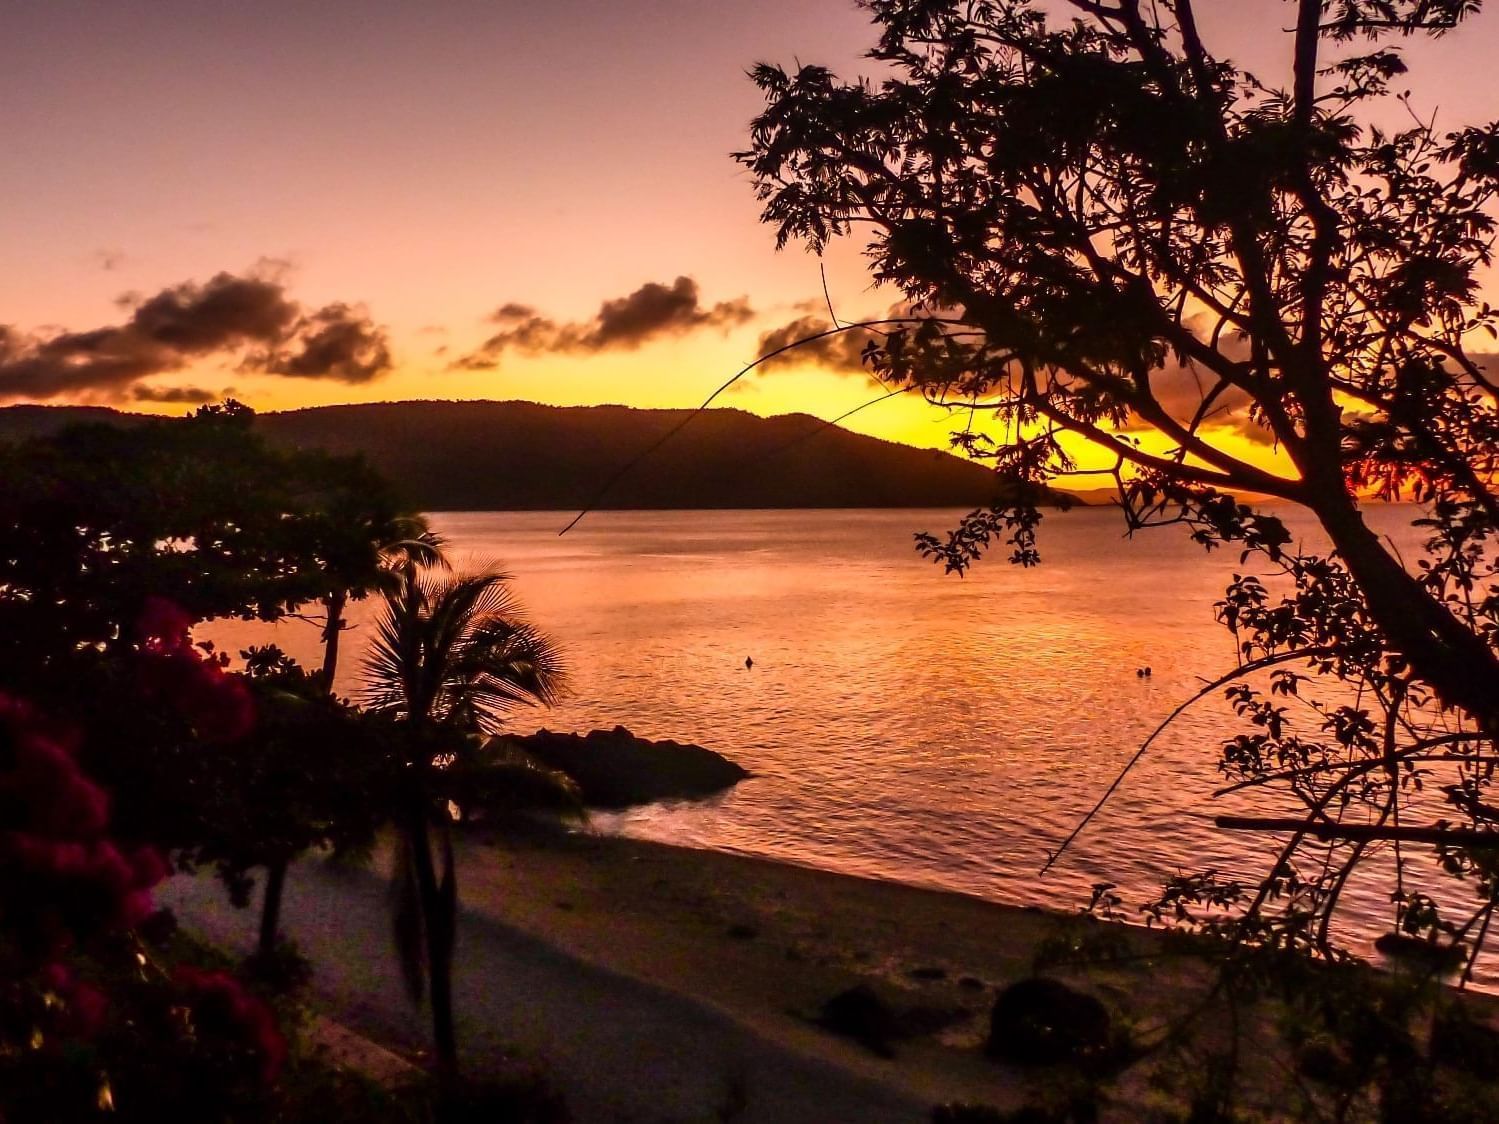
477	456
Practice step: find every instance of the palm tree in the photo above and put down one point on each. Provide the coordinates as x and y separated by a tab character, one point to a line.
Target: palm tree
450	658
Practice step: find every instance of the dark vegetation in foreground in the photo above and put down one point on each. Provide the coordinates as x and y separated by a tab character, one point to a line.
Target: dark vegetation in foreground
521	456
125	746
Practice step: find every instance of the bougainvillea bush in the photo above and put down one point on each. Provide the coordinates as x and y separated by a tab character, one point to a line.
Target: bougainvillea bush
92	1022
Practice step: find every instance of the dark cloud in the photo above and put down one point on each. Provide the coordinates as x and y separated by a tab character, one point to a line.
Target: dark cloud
246	316
196	319
192	395
336	342
654	308
512	311
623	323
840	353
1180	388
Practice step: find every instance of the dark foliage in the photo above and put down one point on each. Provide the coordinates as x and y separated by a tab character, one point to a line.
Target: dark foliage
1136	259
1085	216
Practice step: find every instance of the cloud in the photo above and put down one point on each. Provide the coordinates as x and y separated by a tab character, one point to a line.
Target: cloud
1180	388
840	353
250	317
192	395
1177	385
654	308
335	342
623	323
192	319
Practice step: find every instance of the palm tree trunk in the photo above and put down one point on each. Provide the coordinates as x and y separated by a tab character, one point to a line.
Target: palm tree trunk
333	626
270	906
438	914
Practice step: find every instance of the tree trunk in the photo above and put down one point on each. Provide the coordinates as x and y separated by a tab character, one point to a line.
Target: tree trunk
333	627
438	917
270	906
1460	667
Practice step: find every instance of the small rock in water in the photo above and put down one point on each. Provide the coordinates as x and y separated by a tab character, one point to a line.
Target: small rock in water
1042	1021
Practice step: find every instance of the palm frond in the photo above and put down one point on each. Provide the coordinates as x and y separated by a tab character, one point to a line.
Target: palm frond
457	650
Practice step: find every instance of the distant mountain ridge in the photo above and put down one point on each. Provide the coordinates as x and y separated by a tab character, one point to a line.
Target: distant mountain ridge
497	456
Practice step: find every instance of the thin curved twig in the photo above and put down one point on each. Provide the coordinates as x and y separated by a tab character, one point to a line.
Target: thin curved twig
1221	681
629	465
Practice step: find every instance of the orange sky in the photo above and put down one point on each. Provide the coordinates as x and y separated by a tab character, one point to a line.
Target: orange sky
429	164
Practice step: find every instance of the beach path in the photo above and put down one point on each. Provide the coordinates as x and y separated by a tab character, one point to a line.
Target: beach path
621	1048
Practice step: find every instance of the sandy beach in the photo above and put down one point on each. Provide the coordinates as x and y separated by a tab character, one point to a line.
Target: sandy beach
604	959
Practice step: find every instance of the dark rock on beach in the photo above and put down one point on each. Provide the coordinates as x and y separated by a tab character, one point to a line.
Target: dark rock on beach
860	1014
616	769
1041	1021
1420	955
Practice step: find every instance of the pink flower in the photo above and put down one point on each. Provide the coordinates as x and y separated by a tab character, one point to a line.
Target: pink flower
84	1005
222	1007
163	623
217	704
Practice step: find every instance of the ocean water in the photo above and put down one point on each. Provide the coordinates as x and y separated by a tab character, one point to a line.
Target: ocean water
900	723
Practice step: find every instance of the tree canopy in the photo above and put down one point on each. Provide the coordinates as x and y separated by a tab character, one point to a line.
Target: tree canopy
1106	234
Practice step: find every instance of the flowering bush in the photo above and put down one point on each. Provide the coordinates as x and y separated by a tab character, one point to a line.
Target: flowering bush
61	877
190	679
223	1012
89	1023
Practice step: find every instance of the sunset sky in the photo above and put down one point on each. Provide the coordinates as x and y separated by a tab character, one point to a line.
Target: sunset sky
418	178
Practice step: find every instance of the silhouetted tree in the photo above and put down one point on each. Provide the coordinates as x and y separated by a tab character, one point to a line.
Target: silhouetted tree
1108	235
120	537
313	772
361	536
354	535
97	521
450	657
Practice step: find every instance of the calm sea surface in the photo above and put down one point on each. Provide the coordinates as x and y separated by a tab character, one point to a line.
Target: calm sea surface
900	723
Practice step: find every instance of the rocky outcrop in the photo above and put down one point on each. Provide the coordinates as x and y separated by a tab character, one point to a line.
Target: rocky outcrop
615	769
